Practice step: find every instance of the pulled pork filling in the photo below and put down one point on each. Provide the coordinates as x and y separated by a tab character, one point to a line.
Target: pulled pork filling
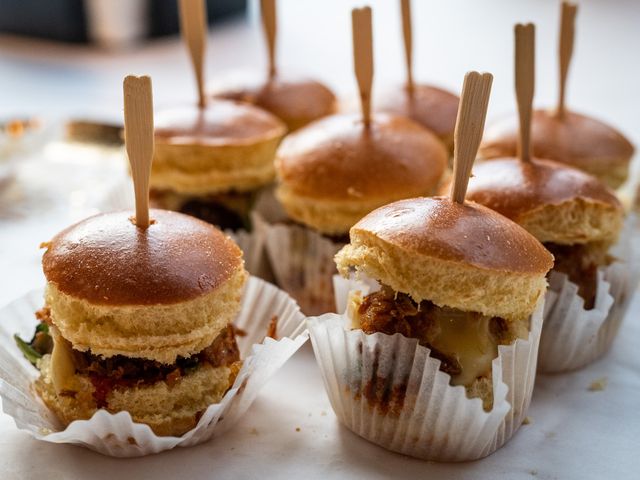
225	210
465	342
580	263
108	373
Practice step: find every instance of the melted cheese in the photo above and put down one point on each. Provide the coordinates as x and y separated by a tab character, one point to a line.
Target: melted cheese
466	337
62	367
462	335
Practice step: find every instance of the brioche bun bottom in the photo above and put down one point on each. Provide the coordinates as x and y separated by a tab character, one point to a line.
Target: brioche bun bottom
167	410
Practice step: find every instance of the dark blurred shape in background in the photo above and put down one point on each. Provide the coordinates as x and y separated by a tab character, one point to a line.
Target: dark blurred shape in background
111	23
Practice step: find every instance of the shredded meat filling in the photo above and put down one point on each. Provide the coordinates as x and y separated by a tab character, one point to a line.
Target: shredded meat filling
109	373
389	312
580	263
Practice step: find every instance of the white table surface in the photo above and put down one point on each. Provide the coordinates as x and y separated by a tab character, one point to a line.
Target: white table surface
575	433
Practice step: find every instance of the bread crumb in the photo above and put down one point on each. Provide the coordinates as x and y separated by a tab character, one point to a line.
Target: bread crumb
297	429
254	431
323	413
598	385
527	421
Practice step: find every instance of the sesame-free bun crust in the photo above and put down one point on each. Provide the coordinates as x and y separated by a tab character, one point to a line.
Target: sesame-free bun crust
335	171
167	410
431	107
107	260
226	146
574	139
296	101
553	202
157	294
461	256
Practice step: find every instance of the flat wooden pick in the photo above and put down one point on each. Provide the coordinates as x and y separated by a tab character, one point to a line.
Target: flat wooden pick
525	84
363	57
193	25
268	9
408	41
472	112
567	35
138	132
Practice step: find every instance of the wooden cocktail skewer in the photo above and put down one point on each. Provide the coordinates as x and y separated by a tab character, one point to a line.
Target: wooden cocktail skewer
525	82
567	34
363	58
408	41
268	10
193	25
472	113
138	132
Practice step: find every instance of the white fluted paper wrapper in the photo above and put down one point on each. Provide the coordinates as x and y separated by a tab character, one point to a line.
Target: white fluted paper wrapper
251	243
573	337
302	263
422	415
116	434
301	259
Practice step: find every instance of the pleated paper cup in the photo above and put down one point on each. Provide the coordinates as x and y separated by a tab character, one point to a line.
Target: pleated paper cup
390	391
301	260
251	243
116	434
302	264
573	337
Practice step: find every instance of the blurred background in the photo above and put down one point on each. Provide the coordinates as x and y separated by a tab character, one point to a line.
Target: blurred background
65	59
66	56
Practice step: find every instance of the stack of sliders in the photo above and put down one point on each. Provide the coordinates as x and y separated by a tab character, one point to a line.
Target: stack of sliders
212	158
564	136
576	216
463	286
336	170
138	310
296	101
432	107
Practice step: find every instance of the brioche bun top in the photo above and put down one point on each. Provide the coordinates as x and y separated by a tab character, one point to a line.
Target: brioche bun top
220	123
339	158
554	202
107	260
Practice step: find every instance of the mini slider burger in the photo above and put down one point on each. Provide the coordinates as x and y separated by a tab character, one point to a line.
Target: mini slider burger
138	310
432	107
296	101
454	277
564	136
578	219
575	215
336	170
211	159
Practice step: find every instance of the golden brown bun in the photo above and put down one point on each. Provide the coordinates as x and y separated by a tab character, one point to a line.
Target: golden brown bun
167	410
335	171
157	294
553	202
227	146
574	139
431	107
107	260
461	256
296	101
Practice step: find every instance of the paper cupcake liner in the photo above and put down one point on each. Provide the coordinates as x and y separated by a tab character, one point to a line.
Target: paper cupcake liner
116	434
302	264
388	390
122	197
573	337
